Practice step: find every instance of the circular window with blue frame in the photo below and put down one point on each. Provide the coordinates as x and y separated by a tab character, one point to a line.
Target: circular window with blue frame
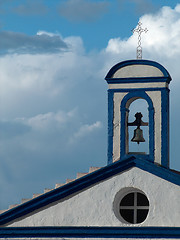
131	206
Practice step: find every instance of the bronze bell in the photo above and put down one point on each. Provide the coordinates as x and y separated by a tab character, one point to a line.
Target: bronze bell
138	135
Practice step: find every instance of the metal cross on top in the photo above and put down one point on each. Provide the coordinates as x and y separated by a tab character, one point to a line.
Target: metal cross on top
139	30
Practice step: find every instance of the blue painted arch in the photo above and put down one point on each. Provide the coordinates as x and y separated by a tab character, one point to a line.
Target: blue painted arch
166	76
124	108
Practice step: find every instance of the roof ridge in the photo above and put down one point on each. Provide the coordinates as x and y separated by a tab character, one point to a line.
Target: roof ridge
84	182
46	190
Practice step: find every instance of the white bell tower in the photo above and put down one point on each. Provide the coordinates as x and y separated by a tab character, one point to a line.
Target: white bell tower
128	81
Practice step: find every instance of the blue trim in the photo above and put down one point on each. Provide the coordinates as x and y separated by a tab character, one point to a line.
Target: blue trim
137	80
90	232
83	183
137	94
136	62
110	126
165	128
136	89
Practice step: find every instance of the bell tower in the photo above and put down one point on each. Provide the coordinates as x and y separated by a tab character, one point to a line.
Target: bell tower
129	81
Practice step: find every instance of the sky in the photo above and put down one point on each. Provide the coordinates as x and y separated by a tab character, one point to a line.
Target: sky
54	55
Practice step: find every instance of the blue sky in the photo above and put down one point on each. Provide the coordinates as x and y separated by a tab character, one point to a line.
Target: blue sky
95	21
54	55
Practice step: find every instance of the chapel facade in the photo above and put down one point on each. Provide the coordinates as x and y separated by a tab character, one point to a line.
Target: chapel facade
137	195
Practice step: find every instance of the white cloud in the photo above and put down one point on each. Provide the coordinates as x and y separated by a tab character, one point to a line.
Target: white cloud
47	121
162	37
84	130
163	32
32	83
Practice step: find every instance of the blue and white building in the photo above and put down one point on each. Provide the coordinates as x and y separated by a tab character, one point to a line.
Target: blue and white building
136	196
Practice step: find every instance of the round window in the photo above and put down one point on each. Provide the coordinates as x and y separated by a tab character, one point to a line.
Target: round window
134	207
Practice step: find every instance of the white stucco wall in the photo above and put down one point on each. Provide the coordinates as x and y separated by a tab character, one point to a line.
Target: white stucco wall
138	71
118	97
94	206
137	85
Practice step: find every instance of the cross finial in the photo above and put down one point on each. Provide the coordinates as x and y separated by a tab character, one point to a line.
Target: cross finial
139	30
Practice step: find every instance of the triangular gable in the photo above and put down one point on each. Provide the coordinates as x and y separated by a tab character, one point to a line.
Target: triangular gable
85	182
